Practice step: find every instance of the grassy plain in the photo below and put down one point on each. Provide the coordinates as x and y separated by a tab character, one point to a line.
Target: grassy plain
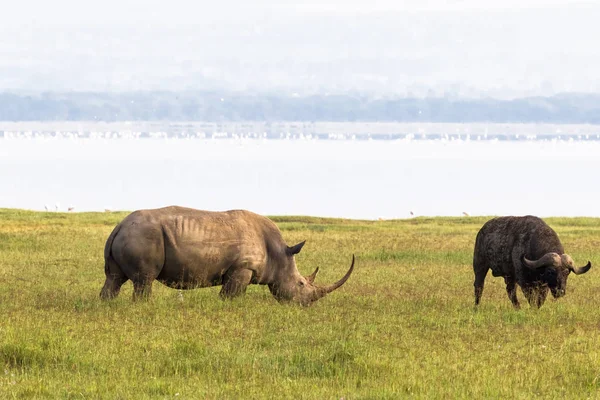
403	325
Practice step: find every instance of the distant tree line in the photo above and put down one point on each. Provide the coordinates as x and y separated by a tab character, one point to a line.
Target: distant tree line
221	106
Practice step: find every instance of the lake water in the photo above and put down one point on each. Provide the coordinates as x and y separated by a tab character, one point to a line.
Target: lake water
336	178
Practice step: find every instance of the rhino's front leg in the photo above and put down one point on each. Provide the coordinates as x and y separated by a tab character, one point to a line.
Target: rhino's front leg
235	282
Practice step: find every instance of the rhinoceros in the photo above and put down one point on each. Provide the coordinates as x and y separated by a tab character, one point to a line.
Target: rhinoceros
185	248
527	252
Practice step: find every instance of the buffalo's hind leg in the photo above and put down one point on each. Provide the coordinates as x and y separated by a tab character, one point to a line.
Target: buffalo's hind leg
480	273
235	283
511	290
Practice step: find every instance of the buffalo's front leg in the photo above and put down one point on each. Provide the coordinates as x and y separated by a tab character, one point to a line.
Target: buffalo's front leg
511	290
235	283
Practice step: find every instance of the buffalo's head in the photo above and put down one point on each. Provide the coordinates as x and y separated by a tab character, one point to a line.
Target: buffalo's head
555	269
289	285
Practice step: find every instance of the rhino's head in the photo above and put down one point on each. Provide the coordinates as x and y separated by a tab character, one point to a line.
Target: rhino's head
289	285
555	270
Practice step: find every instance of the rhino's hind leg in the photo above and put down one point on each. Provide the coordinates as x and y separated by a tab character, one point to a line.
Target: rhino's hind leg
235	283
142	289
146	272
115	278
112	287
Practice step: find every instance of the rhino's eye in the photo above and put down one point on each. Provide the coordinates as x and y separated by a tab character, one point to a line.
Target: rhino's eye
300	283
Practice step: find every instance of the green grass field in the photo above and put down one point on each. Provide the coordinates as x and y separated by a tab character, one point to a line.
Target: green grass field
403	326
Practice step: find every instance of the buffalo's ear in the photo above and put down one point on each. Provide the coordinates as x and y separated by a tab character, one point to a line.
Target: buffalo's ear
290	251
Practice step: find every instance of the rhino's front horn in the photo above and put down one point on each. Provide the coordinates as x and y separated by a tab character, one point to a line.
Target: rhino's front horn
547	260
311	278
331	288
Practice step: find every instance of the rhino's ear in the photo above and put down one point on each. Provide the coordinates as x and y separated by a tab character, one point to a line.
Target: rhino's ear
290	251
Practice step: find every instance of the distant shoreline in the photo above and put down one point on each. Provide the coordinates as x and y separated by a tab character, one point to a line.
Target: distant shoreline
239	107
299	130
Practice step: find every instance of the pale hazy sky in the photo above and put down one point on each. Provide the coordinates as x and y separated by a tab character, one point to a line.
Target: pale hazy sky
118	11
502	48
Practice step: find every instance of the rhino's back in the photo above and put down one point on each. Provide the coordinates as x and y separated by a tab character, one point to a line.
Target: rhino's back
195	245
191	224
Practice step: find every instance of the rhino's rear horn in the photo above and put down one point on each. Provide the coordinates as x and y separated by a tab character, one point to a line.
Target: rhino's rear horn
311	278
547	260
581	270
290	251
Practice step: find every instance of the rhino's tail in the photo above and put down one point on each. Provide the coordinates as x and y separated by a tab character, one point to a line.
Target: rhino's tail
108	258
114	276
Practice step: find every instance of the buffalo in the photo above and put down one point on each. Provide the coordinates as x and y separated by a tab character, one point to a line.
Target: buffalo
185	248
527	252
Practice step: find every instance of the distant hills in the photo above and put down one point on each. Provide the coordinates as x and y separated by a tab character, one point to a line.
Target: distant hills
233	106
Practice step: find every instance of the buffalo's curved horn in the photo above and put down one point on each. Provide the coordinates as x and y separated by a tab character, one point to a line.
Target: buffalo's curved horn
581	270
311	278
547	260
567	262
331	288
